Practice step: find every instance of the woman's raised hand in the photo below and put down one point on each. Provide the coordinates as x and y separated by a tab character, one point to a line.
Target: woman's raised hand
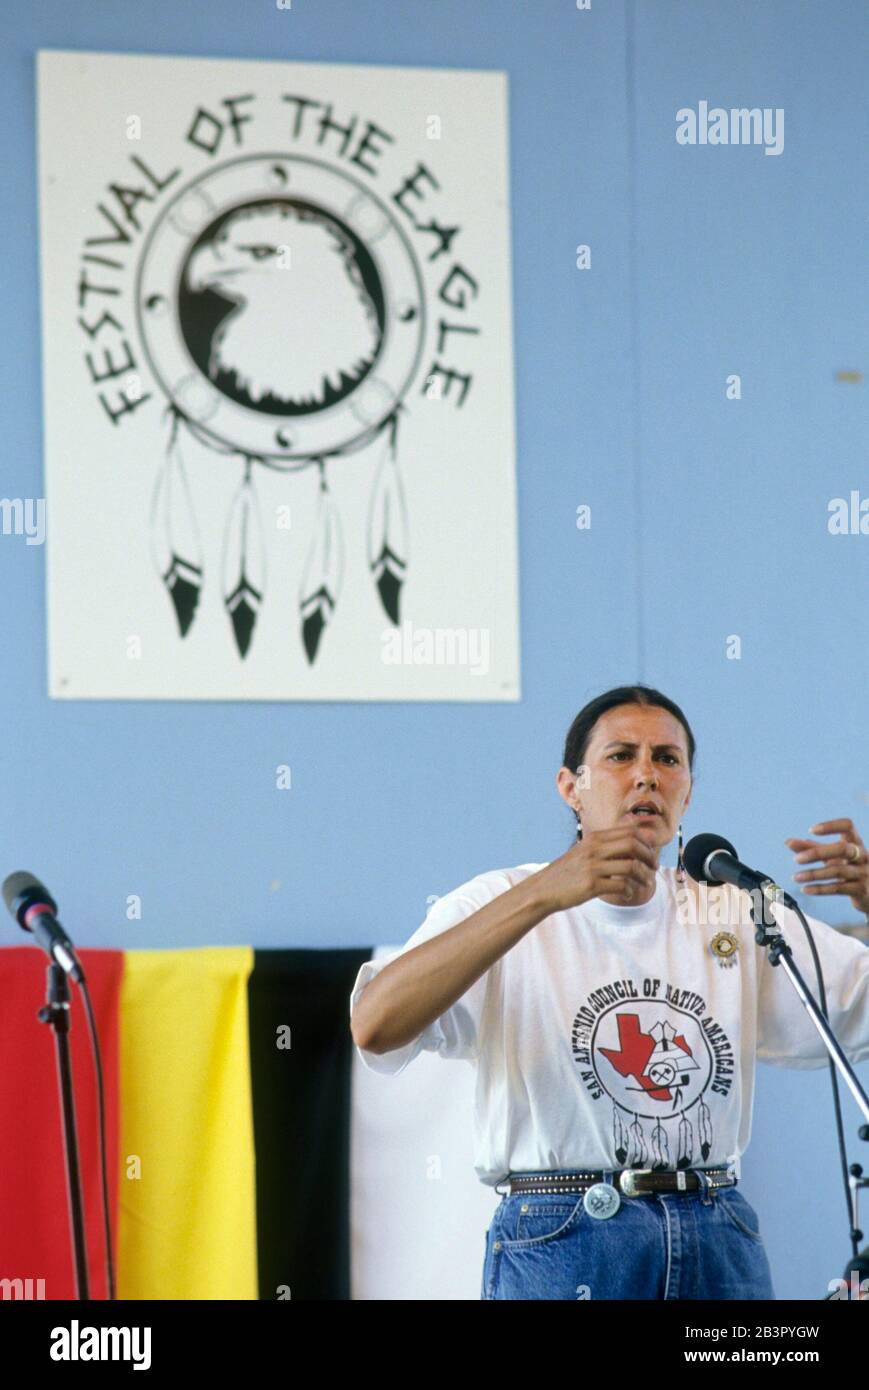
616	863
845	863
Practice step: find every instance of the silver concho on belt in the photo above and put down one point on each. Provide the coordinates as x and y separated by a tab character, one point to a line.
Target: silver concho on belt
602	1201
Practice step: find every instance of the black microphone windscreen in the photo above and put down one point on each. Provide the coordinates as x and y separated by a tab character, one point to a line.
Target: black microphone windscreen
697	851
15	886
858	1264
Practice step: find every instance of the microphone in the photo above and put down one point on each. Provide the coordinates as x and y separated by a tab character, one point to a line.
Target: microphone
35	911
857	1272
712	859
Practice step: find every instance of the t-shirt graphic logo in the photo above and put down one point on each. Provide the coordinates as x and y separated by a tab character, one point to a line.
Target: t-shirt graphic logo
658	1062
653	1049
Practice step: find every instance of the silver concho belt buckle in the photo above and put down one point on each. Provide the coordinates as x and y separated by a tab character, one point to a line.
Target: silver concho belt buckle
628	1182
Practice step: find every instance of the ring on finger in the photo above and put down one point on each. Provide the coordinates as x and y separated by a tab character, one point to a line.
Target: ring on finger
854	854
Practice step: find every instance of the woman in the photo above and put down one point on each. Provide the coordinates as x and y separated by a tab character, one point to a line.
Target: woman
614	1012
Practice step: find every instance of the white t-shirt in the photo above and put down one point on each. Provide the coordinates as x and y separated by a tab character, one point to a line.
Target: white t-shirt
616	1037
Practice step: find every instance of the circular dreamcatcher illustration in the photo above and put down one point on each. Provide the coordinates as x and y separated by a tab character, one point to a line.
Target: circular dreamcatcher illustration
282	314
654	1063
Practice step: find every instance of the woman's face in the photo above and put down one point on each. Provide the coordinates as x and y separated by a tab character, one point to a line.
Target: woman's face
636	753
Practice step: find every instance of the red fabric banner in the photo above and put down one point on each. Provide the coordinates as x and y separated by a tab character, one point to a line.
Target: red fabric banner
35	1230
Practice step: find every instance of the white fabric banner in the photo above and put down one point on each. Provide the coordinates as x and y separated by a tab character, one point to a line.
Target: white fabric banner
418	1212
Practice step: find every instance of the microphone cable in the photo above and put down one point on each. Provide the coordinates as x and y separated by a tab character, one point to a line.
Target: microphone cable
104	1183
855	1234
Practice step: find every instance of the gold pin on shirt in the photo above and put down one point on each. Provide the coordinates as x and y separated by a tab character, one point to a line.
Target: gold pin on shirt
724	947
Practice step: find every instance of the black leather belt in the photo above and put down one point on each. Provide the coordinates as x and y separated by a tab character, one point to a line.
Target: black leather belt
633	1182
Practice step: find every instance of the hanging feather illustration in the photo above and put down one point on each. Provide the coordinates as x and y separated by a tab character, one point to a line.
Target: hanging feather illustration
704	1125
620	1138
660	1147
387	527
685	1143
175	546
638	1146
243	562
323	576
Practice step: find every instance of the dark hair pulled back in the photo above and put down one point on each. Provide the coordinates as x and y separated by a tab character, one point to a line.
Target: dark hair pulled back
579	733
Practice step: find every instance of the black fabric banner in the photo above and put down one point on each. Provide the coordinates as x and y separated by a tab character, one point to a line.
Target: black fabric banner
301	1055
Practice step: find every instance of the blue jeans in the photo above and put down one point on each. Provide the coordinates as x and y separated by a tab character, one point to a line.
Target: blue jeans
692	1245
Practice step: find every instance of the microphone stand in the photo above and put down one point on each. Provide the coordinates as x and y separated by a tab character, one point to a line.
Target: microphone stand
780	953
57	1013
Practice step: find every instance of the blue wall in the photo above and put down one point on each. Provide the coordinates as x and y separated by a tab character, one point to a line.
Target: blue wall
709	515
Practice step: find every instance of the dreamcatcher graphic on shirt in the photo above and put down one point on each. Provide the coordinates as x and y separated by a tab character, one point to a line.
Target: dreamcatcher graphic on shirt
655	1064
281	309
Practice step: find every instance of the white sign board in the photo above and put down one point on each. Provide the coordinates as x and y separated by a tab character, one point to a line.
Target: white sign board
278	382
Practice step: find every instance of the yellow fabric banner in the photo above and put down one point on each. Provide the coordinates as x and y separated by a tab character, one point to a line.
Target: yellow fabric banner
187	1194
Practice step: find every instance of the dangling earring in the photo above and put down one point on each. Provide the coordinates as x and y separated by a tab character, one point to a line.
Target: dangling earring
680	868
578	826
